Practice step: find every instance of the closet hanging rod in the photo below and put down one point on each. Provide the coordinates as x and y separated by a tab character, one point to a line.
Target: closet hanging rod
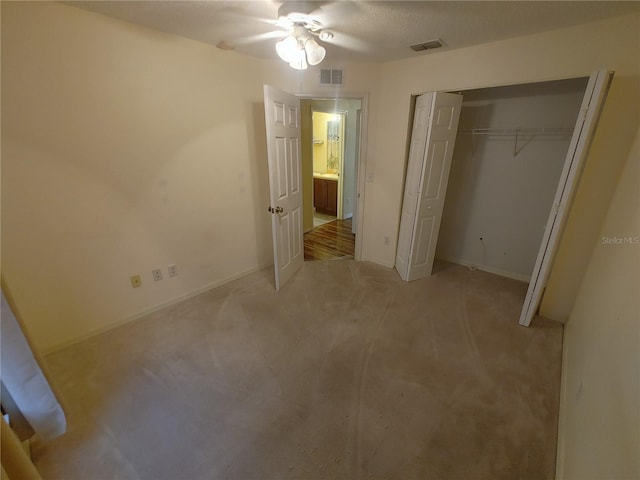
518	131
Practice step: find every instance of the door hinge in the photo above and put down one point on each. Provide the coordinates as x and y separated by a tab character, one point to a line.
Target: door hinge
583	112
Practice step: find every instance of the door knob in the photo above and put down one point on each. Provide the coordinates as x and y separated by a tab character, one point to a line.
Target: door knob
276	210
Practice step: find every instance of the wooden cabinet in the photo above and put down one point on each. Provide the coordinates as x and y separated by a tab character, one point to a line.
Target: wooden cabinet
332	196
325	195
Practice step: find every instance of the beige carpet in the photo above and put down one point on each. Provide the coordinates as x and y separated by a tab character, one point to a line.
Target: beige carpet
348	373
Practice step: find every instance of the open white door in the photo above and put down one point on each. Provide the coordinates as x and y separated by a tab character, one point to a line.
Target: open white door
282	115
433	137
592	102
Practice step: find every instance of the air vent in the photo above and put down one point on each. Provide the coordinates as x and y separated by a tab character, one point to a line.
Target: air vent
431	44
330	77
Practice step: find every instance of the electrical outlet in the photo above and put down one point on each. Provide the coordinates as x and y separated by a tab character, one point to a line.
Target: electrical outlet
136	281
157	274
173	270
386	240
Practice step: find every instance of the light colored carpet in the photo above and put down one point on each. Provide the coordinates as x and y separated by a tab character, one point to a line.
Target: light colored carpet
348	373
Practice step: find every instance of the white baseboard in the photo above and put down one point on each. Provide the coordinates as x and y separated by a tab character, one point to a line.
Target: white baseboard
487	268
378	262
152	309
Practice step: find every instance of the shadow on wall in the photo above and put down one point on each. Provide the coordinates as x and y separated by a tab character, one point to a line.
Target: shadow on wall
260	183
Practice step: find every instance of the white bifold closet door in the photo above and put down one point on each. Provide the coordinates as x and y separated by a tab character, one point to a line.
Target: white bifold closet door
433	137
592	103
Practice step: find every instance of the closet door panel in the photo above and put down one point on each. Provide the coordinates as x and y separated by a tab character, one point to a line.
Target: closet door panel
412	183
592	103
436	164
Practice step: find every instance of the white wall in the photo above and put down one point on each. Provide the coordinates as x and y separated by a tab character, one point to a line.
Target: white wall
124	149
497	194
600	403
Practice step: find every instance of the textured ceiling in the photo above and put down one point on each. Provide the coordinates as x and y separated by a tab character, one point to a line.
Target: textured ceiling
363	30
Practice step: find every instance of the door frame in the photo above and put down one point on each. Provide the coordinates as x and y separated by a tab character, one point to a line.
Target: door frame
361	154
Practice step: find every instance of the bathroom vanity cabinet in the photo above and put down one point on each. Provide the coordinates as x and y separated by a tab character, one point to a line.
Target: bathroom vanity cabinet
325	195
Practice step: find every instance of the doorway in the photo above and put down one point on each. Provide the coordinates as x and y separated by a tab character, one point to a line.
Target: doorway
330	138
289	175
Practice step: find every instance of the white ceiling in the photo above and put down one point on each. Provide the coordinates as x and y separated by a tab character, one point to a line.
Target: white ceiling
374	31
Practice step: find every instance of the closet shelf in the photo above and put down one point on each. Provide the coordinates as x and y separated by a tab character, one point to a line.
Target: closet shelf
518	131
521	136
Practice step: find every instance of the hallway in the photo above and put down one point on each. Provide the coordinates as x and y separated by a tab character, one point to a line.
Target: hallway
330	241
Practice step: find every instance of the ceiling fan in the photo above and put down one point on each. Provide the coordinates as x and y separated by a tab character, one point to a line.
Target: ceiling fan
303	30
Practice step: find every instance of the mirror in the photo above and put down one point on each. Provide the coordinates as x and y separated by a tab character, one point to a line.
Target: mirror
333	146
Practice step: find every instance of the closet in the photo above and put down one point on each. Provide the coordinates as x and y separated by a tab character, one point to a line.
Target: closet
500	197
509	152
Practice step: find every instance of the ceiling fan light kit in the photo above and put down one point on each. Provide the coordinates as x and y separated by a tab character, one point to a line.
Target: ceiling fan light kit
299	49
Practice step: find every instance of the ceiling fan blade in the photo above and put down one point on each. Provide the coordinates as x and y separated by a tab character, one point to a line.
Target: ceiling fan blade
332	15
246	24
329	12
258	37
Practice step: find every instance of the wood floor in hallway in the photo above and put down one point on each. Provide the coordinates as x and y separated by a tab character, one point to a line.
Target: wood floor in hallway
330	241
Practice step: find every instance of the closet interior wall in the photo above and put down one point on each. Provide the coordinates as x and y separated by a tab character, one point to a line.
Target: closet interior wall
510	149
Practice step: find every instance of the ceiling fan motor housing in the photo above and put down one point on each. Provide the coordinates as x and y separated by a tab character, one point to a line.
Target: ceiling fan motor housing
298	14
297	7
